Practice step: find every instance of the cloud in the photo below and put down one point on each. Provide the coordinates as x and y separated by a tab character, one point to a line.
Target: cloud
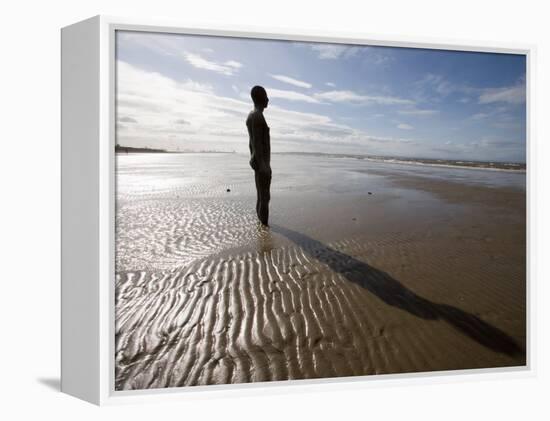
379	56
433	87
380	59
170	45
334	51
355	98
418	112
485	148
404	126
291	96
369	55
388	140
479	116
291	81
438	83
228	68
498	117
496	143
335	97
167	45
215	113
189	115
508	123
167	109
234	64
511	95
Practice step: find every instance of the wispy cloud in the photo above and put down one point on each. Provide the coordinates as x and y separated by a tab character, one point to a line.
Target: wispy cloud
498	117
433	87
155	42
511	95
438	84
441	86
291	95
291	81
334	51
234	64
418	112
404	126
186	115
193	92
378	56
479	116
355	98
228	68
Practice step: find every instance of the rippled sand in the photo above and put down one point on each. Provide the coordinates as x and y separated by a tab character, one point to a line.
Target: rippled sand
414	277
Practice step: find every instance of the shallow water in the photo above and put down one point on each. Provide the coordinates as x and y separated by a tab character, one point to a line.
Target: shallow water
211	174
175	208
470	176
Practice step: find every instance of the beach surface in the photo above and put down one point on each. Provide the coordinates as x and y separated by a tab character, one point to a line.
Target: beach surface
366	268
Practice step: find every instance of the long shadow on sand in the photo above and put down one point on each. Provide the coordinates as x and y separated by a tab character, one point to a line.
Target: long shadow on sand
393	293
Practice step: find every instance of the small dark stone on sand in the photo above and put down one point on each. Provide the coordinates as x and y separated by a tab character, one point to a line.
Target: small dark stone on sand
370	192
354	219
228	190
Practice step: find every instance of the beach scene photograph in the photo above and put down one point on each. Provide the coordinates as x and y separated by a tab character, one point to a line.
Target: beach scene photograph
291	210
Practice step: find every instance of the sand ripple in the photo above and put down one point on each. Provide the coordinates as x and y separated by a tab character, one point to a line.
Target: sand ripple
312	310
419	276
159	235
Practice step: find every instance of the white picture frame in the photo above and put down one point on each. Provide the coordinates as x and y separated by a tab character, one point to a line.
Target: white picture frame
88	210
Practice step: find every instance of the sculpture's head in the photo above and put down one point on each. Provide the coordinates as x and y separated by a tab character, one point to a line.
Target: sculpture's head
259	97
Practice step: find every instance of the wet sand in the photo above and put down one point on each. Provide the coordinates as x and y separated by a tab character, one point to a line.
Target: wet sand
426	273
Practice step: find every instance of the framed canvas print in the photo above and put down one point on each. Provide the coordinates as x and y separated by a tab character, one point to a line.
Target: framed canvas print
245	209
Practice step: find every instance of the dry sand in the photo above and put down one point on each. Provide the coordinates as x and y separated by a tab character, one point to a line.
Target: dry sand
424	275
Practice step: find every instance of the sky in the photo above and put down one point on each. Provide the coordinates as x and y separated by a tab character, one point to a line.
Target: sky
192	93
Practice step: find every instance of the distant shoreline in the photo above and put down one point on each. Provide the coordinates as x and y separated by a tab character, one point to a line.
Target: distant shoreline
459	163
517	167
129	149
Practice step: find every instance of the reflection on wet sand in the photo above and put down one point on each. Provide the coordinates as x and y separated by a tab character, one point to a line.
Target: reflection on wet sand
416	277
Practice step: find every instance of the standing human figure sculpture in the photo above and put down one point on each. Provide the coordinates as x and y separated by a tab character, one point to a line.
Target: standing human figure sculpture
260	151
